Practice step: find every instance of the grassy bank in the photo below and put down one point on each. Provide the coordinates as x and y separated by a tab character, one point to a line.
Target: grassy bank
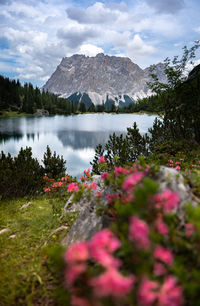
26	277
6	114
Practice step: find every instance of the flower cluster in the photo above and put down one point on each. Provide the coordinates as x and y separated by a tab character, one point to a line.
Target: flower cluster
133	263
100	249
53	186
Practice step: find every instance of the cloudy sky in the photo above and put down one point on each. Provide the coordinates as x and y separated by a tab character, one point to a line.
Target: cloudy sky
36	35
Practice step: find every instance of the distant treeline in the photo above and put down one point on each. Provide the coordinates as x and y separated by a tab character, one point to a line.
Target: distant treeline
27	99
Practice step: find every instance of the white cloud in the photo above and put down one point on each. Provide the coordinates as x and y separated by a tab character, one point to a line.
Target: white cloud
166	6
38	36
197	29
95	14
90	50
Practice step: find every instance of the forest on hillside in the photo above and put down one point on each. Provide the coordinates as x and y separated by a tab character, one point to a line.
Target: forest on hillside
27	99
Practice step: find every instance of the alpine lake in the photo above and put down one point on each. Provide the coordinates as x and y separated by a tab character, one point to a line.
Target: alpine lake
74	137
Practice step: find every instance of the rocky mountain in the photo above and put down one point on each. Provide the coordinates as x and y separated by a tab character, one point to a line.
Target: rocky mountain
101	79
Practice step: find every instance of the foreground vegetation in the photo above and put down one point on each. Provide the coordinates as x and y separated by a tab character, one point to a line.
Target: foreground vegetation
28	276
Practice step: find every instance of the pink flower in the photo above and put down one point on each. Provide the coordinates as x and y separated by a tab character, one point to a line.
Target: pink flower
112	197
79	301
98	194
178	163
72	187
64	178
73	272
167	200
101	246
78	252
101	160
112	283
47	189
170	293
104	175
105	239
132	180
161	227
147	293
139	233
159	269
93	185
164	255
171	161
120	170
189	229
87	172
83	177
177	168
181	158
104	257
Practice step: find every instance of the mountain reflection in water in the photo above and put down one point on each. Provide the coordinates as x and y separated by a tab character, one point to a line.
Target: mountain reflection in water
74	137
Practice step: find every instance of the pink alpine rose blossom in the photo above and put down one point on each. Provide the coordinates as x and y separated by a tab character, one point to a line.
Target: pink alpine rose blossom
112	197
161	227
170	293
101	160
167	200
79	301
101	246
78	252
164	255
98	194
105	239
47	189
83	177
87	172
104	175
178	168
189	229
72	187
112	283
120	170
147	293
93	185
103	257
139	233
73	272
132	180
159	269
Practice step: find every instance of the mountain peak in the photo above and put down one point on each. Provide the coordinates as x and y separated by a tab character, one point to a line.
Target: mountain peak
100	76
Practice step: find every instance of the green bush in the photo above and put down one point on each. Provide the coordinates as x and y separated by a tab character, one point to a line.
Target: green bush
23	175
20	175
54	165
121	150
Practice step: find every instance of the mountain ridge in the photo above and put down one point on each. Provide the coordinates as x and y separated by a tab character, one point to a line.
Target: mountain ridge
102	78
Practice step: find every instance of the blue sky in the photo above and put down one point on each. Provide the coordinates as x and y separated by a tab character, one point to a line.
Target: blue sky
36	35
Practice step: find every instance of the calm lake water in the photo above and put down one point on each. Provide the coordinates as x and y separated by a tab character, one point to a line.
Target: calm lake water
75	137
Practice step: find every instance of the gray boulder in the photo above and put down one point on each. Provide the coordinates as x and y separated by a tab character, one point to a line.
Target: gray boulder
87	222
173	180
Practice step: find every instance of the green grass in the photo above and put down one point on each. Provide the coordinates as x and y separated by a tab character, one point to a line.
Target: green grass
7	114
26	277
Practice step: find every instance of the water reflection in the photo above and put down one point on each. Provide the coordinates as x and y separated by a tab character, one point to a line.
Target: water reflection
74	137
84	139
